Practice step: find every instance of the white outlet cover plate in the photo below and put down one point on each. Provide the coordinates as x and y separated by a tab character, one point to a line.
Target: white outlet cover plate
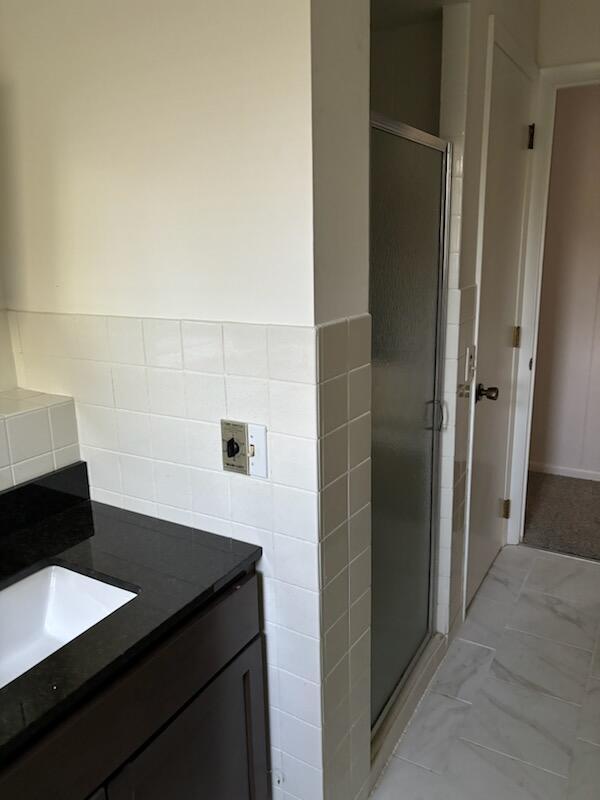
257	444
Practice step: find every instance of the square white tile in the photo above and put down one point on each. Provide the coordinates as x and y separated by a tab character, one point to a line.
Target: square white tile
162	343
210	493
166	392
97	426
292	353
247	399
296	561
359	341
126	341
4	454
293	408
134	433
293	461
296	512
204	396
131	388
246	350
63	425
28	435
172	485
204	444
170	439
333	349
203	346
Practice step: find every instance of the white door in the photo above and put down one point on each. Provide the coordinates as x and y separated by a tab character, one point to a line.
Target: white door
507	162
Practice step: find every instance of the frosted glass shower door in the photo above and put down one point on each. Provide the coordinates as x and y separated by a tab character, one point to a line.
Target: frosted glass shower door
408	191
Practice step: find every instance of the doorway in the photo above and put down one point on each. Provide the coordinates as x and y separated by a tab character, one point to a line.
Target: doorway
563	495
409	191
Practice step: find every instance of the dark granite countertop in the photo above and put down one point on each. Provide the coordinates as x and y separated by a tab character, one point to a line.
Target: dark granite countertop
174	570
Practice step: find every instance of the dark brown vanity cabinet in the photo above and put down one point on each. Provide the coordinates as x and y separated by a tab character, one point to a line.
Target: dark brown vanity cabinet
185	721
212	749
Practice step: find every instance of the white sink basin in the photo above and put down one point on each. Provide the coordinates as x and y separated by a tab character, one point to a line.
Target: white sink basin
45	610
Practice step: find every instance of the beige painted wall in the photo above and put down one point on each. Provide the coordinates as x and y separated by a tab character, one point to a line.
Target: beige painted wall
160	157
566	426
569	32
406	67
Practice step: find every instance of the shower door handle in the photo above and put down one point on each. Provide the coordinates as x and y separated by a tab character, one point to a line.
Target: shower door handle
438	415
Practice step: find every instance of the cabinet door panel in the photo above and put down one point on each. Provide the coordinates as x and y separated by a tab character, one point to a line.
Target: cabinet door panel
215	748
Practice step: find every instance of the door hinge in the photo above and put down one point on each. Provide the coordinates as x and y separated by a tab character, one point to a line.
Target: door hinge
516	336
531	142
506	509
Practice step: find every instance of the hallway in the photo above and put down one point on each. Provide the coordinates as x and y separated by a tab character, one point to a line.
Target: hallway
514	710
563	515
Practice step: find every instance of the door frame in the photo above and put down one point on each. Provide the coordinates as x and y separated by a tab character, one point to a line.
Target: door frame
551	79
500	37
383	123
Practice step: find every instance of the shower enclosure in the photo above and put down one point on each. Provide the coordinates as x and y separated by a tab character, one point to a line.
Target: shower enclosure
409	191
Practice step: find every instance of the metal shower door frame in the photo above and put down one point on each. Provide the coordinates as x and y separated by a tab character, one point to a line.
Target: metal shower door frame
400	129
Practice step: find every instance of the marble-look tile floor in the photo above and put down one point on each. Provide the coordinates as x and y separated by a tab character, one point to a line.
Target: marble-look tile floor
513	712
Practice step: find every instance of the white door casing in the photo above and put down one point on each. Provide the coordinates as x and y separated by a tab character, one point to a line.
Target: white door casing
502	226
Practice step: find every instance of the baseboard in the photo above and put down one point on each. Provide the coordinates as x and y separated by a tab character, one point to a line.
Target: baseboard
400	714
565	472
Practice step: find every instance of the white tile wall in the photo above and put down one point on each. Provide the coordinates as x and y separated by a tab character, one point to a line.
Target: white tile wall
459	330
38	433
345	551
149	397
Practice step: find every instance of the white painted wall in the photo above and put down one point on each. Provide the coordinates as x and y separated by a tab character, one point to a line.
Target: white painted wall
340	109
406	68
566	431
161	157
569	32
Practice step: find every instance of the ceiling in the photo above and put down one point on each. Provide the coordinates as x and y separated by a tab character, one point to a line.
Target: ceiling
392	13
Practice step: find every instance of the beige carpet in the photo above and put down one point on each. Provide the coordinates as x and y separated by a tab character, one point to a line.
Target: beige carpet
563	514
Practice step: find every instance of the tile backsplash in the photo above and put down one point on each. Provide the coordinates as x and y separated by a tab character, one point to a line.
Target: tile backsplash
149	395
38	433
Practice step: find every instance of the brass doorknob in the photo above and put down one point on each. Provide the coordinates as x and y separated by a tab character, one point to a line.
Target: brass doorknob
491	393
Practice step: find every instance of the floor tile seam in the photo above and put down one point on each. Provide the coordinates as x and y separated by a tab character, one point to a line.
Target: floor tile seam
417	764
574	602
596	745
513	758
477	644
548	639
471	641
535	691
509	627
